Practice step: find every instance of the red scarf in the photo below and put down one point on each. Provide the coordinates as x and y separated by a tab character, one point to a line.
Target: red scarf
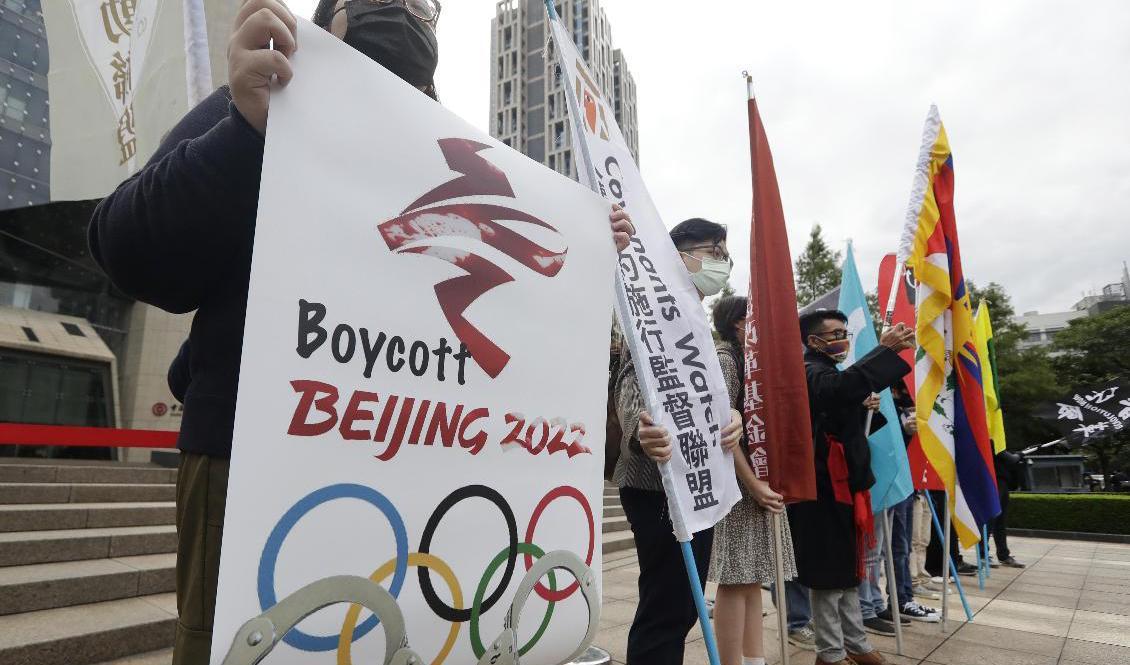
859	501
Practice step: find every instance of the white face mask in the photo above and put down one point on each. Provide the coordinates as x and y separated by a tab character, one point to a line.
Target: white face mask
712	276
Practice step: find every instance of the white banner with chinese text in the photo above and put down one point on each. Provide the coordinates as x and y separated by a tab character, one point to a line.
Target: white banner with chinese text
660	313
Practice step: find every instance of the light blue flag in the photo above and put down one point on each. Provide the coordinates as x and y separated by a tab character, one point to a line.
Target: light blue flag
888	452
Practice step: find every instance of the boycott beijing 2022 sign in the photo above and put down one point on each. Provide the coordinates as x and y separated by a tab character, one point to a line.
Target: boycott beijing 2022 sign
422	388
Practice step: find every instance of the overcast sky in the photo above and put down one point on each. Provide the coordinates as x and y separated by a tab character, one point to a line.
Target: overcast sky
1035	97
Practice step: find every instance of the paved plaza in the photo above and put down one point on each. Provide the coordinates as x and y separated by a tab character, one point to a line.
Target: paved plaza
1070	606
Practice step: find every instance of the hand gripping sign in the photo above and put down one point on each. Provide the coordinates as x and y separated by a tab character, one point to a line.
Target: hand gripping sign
424	357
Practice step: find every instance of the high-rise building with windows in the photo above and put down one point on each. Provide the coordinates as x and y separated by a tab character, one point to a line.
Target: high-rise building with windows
25	142
527	102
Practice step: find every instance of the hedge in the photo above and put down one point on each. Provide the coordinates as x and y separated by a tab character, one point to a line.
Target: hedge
1087	513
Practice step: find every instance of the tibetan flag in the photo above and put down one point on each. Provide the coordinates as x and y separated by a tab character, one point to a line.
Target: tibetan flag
778	424
948	370
889	464
986	348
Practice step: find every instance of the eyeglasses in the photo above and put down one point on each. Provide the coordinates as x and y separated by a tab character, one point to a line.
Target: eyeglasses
716	253
836	335
425	10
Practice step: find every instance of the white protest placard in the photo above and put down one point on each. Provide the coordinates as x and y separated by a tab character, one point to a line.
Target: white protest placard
660	313
423	382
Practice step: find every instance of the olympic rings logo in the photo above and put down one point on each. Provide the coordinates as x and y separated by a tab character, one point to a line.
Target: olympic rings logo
426	562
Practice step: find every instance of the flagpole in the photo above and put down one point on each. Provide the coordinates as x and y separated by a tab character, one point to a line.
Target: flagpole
946	564
779	588
681	536
197	64
777	518
892	584
956	581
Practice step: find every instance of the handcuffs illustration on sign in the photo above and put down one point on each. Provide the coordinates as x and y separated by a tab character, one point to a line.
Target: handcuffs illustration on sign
256	638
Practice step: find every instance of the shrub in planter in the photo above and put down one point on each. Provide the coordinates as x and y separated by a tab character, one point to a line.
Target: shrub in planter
1089	513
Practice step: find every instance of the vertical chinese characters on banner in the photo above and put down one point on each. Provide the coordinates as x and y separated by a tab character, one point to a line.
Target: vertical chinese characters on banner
660	312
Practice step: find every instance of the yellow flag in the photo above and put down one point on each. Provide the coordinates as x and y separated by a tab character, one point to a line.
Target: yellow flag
985	349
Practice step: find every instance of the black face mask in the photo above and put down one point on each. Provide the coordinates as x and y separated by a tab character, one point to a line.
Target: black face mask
392	36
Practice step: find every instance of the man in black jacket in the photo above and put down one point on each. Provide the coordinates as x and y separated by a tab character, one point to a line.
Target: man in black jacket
831	533
178	235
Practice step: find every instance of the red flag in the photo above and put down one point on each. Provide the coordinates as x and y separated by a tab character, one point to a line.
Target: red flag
921	472
777	418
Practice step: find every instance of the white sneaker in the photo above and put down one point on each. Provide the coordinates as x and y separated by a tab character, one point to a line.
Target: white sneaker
916	612
924	592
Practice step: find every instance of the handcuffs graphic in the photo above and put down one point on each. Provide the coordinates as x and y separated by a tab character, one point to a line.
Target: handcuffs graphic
256	638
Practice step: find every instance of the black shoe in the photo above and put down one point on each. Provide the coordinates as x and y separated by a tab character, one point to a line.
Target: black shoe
885	615
879	626
966	569
1011	563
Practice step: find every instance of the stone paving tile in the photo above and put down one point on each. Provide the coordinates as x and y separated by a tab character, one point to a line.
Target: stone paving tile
1098	627
1013	640
1030	618
1095	653
957	652
1090	605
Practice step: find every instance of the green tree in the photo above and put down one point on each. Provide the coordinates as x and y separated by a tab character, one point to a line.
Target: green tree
817	269
1092	350
1027	378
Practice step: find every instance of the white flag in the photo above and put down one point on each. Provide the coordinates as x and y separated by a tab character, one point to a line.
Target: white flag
118	83
660	313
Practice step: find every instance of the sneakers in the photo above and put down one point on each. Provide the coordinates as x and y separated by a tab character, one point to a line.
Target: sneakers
916	612
879	626
803	638
885	615
966	569
993	563
1011	563
925	592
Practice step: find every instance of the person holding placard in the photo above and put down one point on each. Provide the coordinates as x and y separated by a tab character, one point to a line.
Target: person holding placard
666	611
178	235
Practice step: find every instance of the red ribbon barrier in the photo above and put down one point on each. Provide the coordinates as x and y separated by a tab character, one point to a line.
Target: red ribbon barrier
64	435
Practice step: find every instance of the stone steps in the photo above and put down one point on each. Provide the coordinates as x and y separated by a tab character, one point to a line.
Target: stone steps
55	516
106	474
22	493
33	547
86	634
50	585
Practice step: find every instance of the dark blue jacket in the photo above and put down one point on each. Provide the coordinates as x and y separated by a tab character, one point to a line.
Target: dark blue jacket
178	235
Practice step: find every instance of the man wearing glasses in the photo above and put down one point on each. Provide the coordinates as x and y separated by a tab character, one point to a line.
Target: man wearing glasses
832	533
178	235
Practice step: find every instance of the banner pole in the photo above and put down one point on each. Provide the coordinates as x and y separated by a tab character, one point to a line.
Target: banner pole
700	603
981	565
947	564
985	543
957	582
779	588
682	536
892	583
197	67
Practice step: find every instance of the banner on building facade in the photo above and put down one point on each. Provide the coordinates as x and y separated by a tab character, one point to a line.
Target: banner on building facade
660	312
423	381
120	78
